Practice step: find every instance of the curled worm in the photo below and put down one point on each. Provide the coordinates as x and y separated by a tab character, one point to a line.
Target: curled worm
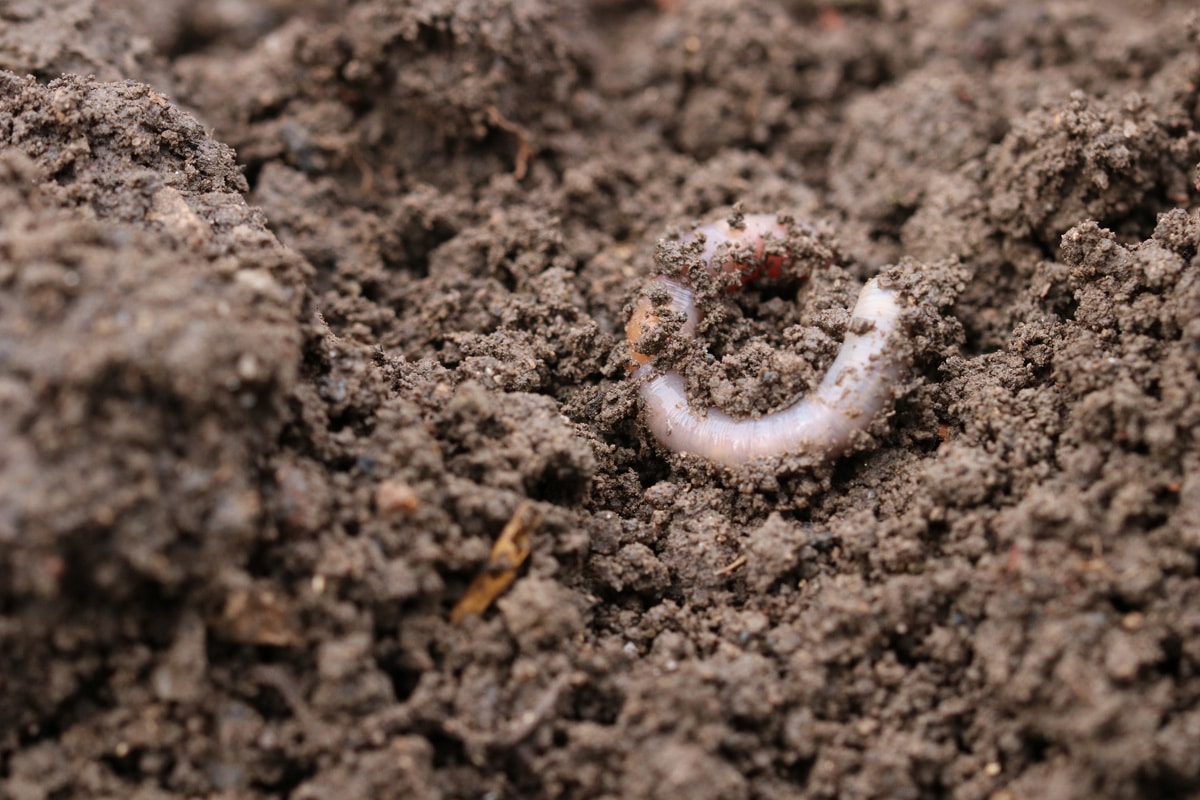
858	386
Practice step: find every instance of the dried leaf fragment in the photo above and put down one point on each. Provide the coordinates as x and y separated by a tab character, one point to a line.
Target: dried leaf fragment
508	554
524	151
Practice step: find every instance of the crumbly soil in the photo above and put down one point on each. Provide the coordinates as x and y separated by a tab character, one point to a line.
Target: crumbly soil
300	302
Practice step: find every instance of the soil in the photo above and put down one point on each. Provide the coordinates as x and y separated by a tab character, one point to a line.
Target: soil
302	302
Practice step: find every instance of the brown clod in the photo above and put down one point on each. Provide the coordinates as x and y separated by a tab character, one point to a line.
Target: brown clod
258	615
394	496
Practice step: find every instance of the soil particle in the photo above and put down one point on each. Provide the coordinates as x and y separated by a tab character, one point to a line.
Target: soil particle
301	302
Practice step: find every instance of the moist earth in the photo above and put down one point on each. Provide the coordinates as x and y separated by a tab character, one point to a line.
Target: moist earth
302	303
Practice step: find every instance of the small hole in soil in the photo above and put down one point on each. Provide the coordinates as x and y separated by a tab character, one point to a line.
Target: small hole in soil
1172	660
597	704
798	772
404	681
448	751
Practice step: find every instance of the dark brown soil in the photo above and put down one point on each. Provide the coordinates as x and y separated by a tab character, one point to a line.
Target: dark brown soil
300	302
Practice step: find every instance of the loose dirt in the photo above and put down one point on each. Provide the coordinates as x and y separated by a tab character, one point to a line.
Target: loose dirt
301	303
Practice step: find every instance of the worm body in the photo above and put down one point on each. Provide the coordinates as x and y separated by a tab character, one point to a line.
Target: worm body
858	386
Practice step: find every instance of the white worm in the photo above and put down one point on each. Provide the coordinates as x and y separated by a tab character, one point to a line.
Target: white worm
858	386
